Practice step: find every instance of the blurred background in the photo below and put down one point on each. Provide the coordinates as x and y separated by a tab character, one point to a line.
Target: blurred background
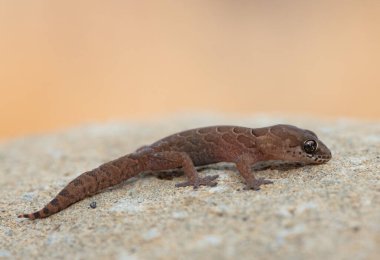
64	63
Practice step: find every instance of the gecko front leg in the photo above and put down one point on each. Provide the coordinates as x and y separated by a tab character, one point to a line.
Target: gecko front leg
243	164
171	159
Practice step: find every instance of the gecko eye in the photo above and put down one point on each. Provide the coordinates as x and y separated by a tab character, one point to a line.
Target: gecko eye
310	146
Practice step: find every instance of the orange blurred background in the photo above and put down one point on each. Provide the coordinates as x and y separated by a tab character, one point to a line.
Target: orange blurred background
70	62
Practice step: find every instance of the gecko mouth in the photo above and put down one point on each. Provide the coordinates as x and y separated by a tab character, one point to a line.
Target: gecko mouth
321	158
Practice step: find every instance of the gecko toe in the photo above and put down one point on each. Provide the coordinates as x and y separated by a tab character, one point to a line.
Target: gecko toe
255	184
210	178
263	181
183	184
206	181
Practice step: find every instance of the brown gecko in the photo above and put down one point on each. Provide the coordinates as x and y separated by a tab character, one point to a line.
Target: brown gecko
202	146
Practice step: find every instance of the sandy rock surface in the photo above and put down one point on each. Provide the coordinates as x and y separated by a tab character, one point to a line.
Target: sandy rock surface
331	211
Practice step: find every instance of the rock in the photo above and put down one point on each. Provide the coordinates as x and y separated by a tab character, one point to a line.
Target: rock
327	211
93	204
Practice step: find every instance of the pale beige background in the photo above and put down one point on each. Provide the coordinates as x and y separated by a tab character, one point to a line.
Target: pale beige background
68	62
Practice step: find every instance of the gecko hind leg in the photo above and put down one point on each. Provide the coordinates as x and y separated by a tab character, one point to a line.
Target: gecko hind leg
171	159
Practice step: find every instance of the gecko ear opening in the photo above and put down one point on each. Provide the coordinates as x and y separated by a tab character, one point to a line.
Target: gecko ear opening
310	146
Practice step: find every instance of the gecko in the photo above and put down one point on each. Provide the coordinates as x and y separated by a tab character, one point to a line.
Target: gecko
243	146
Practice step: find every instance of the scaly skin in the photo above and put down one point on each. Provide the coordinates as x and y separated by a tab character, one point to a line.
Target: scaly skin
202	146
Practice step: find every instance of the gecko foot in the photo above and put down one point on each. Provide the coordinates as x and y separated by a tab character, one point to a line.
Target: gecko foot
206	181
255	184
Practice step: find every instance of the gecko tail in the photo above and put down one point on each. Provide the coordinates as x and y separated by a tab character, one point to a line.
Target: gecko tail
60	202
32	216
88	184
45	212
25	216
29	216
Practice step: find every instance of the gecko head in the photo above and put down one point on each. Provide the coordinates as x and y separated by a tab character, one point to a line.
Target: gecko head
299	145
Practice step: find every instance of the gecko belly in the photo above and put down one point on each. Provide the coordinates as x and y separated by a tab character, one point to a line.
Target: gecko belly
276	164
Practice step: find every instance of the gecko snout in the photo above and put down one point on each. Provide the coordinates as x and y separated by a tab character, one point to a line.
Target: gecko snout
318	154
